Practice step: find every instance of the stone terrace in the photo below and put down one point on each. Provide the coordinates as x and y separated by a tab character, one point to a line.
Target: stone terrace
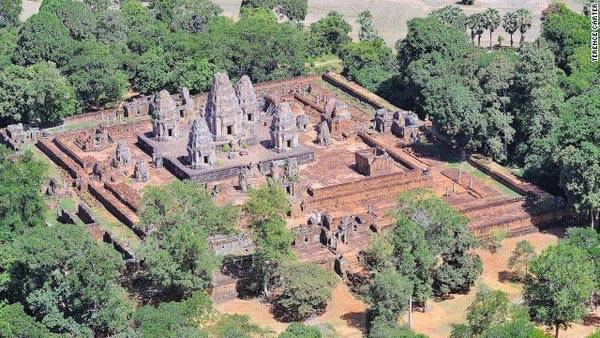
342	181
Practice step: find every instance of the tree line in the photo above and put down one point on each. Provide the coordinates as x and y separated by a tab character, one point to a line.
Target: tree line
78	55
56	281
534	108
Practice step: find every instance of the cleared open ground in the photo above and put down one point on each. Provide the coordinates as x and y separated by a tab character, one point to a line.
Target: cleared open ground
390	15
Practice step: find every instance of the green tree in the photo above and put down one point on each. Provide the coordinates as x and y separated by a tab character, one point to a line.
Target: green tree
179	258
510	24
578	153
74	15
477	25
582	71
521	257
110	27
496	81
8	45
294	10
99	6
265	49
35	94
490	307
22	204
178	217
430	50
193	15
66	280
173	319
524	20
390	293
196	74
303	289
43	37
381	328
367	31
451	15
494	241
565	31
456	115
152	72
144	32
328	35
265	208
237	326
14	322
560	281
539	99
299	330
9	12
369	63
436	231
492	20
94	71
266	203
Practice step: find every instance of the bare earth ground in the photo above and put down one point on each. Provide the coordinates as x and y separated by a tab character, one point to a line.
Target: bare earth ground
390	15
346	313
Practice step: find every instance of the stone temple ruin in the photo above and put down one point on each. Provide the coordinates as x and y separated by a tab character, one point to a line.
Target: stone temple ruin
165	117
342	164
201	147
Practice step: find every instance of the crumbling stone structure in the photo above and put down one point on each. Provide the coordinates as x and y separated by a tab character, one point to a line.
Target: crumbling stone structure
99	169
291	169
223	112
123	155
201	147
324	137
15	135
245	179
186	107
141	172
405	125
247	100
383	120
96	139
302	122
373	161
165	117
137	107
284	132
339	120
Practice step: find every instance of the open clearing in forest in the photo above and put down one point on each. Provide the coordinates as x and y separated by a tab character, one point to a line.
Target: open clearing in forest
346	313
390	15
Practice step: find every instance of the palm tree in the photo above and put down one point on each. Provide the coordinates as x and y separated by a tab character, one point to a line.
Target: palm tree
510	24
476	24
524	20
480	25
471	22
491	18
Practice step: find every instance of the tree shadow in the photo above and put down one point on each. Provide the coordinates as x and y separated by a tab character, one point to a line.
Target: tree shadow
591	320
508	277
357	320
